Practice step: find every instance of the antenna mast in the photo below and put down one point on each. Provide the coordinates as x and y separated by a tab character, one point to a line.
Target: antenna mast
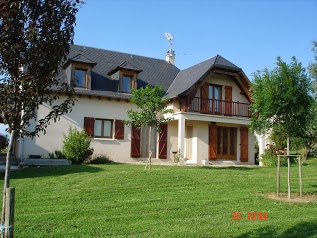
170	39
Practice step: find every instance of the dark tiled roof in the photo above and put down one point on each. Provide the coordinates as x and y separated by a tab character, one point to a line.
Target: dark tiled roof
151	71
154	71
80	58
188	77
97	93
125	65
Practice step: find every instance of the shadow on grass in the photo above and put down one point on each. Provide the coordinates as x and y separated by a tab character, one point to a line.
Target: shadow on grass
229	168
32	172
303	229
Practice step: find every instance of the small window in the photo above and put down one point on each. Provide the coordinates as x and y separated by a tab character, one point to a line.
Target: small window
126	84
103	128
80	78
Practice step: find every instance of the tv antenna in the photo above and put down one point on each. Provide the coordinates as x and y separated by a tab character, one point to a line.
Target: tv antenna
169	37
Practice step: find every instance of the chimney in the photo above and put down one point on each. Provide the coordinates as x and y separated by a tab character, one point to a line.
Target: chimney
170	57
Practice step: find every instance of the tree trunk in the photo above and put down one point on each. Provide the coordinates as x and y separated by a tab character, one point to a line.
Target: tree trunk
7	175
287	142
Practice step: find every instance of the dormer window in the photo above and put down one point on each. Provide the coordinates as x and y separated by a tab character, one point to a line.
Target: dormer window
126	84
78	71
81	78
126	75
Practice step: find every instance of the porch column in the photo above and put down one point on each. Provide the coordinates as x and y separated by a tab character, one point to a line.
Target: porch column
181	135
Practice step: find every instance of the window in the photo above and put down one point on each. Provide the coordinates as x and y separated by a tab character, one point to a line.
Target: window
215	93
227	143
103	128
80	78
126	84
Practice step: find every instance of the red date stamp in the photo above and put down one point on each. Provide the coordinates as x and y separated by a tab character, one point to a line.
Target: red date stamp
251	216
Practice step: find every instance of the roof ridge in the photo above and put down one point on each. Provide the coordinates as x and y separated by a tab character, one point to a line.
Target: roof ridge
125	53
217	58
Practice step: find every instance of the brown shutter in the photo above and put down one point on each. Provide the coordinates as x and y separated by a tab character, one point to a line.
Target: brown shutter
119	130
244	153
228	100
163	142
212	155
135	143
204	98
89	125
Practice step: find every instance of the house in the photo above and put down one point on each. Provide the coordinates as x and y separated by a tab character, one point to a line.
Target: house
210	100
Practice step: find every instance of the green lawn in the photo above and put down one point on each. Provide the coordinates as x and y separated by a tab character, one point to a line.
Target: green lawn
169	201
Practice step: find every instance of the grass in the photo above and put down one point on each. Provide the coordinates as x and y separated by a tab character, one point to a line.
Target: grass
120	200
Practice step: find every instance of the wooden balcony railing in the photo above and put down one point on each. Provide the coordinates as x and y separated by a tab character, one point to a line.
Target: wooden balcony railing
218	107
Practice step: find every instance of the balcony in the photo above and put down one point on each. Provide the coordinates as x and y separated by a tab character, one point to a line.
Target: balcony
218	107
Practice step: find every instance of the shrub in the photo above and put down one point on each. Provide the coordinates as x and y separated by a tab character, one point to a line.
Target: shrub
100	159
76	146
57	154
4	141
269	158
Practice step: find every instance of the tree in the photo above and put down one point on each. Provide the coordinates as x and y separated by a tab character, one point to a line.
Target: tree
282	97
313	66
151	111
35	37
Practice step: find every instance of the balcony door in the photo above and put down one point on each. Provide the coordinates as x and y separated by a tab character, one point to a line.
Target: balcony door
215	94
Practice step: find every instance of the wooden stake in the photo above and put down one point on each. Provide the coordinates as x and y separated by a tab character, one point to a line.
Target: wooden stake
278	175
9	213
300	177
289	177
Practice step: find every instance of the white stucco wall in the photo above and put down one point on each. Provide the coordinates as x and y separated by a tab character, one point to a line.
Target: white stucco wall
85	107
224	80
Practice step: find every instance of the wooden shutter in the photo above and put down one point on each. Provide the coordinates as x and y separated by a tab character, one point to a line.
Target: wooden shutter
119	130
89	125
135	143
212	155
244	153
228	100
204	98
163	142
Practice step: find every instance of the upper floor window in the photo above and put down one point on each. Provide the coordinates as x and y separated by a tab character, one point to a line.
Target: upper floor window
216	95
127	84
215	92
80	78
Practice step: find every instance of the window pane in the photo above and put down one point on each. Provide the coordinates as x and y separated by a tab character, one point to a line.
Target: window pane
225	141
80	76
97	131
219	132
211	93
107	128
217	92
126	84
233	140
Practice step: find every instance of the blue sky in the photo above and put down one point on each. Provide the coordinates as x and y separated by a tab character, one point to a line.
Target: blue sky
249	33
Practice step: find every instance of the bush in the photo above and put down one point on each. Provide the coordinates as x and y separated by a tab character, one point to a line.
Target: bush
4	141
100	159
270	156
57	154
76	146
